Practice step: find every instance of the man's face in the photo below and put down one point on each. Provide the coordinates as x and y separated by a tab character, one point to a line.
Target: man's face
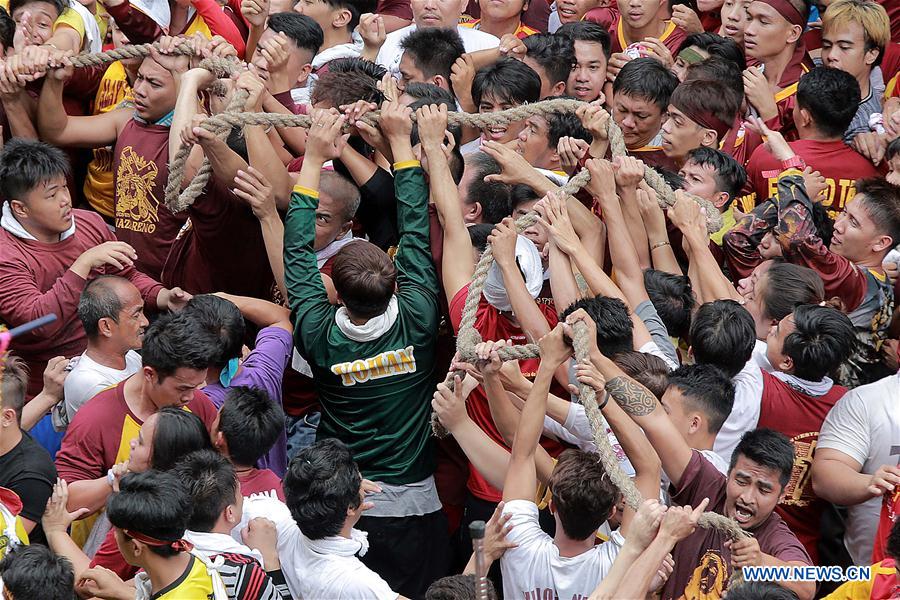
41	16
46	209
734	19
639	119
637	14
129	330
330	223
855	233
536	233
775	341
589	74
769	247
767	32
893	175
297	58
752	289
317	10
409	73
154	91
139	458
437	13
700	180
499	133
572	11
680	134
175	390
681	65
500	10
532	143
682	417
844	48
751	493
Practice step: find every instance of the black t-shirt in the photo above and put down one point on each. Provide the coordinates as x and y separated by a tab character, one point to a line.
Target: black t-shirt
28	471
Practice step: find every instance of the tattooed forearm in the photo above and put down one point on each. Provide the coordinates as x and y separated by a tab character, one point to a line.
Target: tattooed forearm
634	398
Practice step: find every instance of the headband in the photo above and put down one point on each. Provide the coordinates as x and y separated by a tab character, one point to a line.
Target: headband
177	545
786	10
704	118
690	56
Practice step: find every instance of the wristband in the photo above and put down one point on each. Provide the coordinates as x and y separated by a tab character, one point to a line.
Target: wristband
794	162
605	401
111	478
659	245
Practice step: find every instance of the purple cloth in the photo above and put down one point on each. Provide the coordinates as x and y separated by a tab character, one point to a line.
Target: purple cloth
263	368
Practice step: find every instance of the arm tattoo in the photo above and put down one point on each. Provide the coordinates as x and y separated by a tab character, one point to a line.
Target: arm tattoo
631	396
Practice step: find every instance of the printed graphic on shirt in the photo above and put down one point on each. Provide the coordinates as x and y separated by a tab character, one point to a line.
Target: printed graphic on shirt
709	579
837	194
798	491
137	206
386	364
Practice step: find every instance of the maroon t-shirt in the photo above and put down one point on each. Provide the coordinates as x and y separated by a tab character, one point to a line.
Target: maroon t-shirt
260	482
140	171
702	563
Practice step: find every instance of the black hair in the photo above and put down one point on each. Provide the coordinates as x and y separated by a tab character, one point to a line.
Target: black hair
99	300
648	79
250	422
822	339
587	31
561	124
723	334
694	97
893	541
430	94
13	383
348	80
718	69
154	504
321	483
707	389
479	233
178	432
520	194
237	143
672	179
457	587
357	64
356	8
26	164
212	484
788	286
893	149
831	96
300	29
760	590
433	50
59	5
223	320
882	203
673	298
717	45
493	196
177	341
7	30
554	53
36	572
614	327
508	80
730	174
768	448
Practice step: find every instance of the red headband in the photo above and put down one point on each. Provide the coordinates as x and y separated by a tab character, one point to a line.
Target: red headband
177	545
703	118
786	10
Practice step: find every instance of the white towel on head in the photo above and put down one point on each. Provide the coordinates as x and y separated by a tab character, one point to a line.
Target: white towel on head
529	260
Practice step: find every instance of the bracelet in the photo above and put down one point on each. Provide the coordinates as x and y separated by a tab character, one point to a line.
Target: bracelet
605	401
659	245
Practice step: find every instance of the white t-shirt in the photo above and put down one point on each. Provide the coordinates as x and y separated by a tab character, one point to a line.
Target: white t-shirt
390	53
326	568
577	432
88	378
748	389
865	425
536	570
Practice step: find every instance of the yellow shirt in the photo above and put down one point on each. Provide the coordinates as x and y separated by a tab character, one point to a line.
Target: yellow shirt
68	17
728	222
195	583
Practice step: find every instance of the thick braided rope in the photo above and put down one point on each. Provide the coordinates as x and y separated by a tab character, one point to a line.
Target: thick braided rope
96	59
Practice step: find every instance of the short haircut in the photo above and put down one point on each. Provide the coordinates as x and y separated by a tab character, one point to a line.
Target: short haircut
321	483
7	30
882	203
721	70
154	504
554	53
99	300
730	174
760	590
717	45
872	17
13	383
493	196
251	422
479	233
787	287
508	80
339	188
25	164
223	320
178	432
433	50
356	8
723	334
614	327
673	298
893	149
560	124
583	493
707	389
822	339
177	341
457	587
36	572
520	194
364	278
59	5
587	31
695	97
649	370
831	96
353	79
300	29
647	79
212	484
430	93
893	541
769	449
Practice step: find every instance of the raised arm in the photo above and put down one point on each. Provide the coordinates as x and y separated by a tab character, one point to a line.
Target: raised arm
260	312
661	254
629	174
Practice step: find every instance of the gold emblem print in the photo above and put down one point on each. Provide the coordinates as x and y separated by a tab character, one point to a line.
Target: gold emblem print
708	580
798	491
136	205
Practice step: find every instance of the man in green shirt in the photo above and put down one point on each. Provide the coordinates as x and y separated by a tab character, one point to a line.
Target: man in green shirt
373	357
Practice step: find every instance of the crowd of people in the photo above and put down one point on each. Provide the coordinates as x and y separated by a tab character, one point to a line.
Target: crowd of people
239	399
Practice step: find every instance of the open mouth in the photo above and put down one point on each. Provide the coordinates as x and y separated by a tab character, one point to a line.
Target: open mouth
496	133
742	514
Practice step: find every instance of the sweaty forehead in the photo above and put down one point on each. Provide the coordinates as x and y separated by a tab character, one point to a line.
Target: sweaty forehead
745	467
152	69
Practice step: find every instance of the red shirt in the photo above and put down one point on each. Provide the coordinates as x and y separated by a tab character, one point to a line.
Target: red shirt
890	508
605	16
740	142
786	98
109	556
36	280
840	164
394	8
893	10
799	416
672	37
260	482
